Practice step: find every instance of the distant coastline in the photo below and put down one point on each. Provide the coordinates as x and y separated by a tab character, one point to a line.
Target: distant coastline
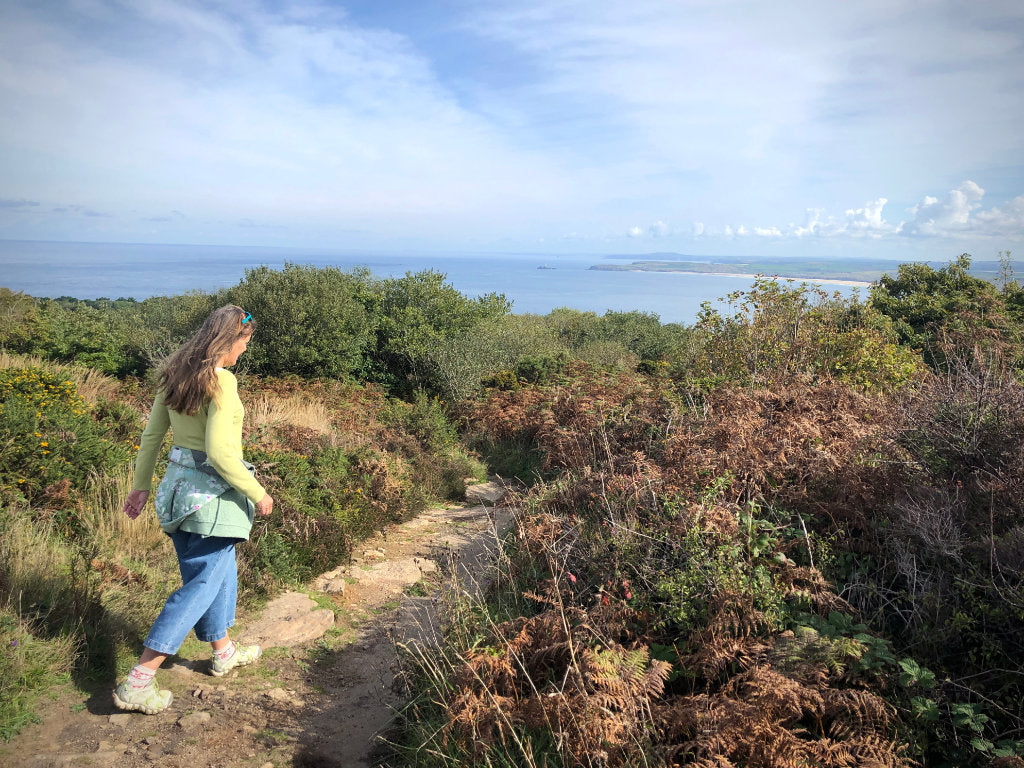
851	272
793	269
815	280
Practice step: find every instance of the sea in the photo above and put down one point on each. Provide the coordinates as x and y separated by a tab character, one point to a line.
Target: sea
534	283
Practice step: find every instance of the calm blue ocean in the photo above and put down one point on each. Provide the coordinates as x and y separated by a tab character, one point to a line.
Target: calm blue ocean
93	270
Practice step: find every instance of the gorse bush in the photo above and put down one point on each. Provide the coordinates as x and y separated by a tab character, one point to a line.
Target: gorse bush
55	440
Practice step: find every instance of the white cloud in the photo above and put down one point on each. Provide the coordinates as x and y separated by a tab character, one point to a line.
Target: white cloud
658	229
949	216
511	122
252	116
812	223
1007	221
957	215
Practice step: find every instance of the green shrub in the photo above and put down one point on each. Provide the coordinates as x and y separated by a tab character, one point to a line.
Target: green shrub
463	363
311	321
778	332
73	331
415	314
541	369
928	305
425	419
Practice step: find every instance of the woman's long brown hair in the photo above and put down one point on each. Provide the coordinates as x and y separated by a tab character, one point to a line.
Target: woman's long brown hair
188	377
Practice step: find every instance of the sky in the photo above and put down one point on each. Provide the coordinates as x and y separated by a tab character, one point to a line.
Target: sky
877	128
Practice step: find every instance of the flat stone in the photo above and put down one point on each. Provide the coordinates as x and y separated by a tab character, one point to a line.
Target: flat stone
393	573
289	620
331	583
335	587
425	565
194	720
490	493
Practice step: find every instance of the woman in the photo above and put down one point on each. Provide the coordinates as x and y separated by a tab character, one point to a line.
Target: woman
205	501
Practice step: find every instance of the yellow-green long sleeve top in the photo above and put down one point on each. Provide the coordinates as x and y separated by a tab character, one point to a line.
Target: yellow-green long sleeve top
215	428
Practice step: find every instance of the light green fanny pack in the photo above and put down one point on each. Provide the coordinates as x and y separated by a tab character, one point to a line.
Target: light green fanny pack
192	488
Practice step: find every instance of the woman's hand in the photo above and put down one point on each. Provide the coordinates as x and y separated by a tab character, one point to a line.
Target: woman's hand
134	503
265	506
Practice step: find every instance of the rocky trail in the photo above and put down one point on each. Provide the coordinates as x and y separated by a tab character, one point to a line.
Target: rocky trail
308	702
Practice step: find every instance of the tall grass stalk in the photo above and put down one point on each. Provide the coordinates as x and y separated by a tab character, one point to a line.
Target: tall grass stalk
295	410
109	529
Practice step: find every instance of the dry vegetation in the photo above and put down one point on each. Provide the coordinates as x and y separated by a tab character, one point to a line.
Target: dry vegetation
663	600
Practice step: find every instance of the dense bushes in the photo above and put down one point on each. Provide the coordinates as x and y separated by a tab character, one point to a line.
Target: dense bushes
691	518
776	331
928	306
664	598
650	612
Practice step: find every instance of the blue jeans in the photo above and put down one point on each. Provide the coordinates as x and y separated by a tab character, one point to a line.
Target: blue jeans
207	596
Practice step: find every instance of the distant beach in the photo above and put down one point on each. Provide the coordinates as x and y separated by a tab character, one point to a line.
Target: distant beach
815	280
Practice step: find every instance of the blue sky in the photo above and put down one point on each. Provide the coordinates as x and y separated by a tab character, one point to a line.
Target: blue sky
881	129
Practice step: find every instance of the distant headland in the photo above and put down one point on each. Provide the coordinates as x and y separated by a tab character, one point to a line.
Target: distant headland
839	271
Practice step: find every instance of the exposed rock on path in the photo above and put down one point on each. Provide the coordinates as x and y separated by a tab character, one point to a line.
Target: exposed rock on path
291	619
304	704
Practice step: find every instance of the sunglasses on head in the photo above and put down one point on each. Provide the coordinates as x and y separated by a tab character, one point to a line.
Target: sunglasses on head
247	318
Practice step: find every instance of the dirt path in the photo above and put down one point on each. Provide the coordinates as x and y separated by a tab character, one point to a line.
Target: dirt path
317	704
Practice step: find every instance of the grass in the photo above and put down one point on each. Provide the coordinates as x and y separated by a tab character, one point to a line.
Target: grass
29	666
419	589
294	410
